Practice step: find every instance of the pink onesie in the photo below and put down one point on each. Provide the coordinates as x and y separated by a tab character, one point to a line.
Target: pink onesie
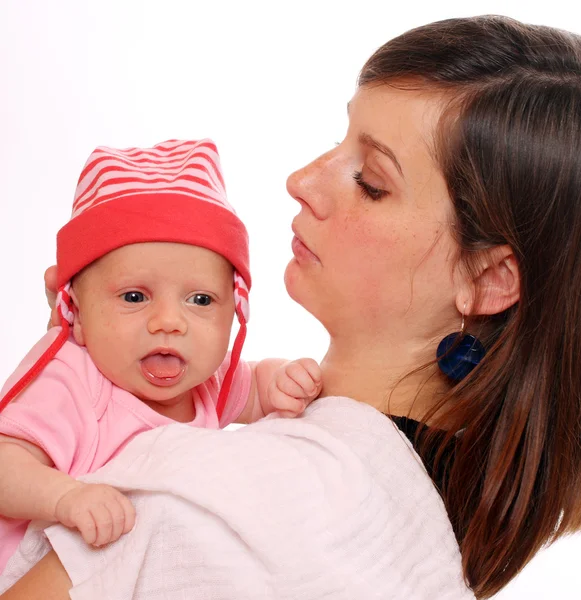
82	420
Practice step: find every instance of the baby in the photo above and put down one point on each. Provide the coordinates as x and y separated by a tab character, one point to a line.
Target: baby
152	267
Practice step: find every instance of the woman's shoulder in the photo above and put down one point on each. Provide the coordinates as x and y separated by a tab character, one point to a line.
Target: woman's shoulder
333	432
338	444
348	428
335	503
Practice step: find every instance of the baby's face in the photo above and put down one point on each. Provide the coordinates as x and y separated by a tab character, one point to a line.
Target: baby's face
156	317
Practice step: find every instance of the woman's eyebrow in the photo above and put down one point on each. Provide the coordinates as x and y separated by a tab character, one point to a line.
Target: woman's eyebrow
367	140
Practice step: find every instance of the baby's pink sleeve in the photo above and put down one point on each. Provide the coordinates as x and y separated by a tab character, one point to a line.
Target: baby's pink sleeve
56	411
239	390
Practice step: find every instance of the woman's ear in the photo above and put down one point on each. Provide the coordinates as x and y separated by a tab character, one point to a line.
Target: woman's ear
496	286
77	324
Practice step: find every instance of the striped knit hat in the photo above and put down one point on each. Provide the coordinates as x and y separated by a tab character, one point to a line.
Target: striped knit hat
173	192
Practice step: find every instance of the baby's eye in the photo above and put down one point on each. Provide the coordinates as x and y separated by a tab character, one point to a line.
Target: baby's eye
200	299
134	297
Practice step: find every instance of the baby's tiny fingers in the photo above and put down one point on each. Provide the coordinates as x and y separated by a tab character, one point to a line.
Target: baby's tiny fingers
289	387
118	517
87	528
288	405
104	521
129	512
313	367
299	374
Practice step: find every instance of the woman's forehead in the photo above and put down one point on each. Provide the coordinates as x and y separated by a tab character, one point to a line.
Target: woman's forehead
403	123
399	114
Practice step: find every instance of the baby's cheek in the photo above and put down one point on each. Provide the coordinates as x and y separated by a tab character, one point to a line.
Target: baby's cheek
218	339
110	344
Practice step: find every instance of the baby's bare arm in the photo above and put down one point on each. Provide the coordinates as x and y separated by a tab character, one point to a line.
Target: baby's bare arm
282	386
262	373
29	487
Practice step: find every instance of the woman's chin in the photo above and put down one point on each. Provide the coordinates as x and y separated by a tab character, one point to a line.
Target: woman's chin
300	289
292	281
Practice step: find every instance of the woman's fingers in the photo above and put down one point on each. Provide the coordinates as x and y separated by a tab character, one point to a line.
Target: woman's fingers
50	285
50	290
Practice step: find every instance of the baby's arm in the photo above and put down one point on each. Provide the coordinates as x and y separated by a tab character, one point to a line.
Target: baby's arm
30	488
285	387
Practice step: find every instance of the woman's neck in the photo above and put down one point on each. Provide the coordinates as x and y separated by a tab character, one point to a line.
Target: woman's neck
383	377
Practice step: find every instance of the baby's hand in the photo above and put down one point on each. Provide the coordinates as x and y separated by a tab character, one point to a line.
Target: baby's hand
293	386
101	513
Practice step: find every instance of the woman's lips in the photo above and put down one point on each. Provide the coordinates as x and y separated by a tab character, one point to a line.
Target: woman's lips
163	368
301	250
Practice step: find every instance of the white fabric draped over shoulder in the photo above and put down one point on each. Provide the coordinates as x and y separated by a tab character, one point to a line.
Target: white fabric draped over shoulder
334	505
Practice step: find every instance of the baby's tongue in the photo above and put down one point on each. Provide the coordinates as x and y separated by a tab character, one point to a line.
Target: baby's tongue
163	366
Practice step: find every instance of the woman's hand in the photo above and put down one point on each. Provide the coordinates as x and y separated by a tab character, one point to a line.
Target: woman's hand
50	289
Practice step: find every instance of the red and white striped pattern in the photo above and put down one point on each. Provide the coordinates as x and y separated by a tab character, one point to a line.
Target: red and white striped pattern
172	192
241	298
179	167
64	304
190	168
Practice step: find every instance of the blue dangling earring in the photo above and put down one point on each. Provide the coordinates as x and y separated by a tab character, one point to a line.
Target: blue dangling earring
459	352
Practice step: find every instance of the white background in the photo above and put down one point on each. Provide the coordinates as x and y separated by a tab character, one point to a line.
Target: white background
269	81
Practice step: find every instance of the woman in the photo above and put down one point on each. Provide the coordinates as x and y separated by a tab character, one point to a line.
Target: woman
452	205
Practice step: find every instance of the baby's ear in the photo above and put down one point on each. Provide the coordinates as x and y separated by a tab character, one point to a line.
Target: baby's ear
77	323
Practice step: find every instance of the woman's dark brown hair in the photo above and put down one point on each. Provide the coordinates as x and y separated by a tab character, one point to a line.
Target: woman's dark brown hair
510	150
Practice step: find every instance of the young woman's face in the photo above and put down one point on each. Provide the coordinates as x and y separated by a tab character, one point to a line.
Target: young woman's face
372	249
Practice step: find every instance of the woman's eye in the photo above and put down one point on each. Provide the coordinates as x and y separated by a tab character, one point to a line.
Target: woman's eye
200	299
133	297
367	189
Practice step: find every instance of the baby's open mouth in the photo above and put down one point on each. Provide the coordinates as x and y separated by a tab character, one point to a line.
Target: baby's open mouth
163	367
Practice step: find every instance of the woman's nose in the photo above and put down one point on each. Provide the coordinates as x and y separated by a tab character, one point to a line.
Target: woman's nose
312	186
167	317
